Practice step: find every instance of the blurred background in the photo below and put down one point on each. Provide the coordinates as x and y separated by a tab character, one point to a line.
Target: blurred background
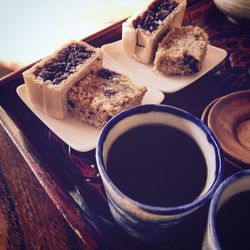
32	29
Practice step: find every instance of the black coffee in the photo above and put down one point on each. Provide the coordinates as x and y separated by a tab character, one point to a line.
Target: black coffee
157	165
233	222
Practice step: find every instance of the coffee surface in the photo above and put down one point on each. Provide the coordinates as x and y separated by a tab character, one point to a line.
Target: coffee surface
157	165
233	222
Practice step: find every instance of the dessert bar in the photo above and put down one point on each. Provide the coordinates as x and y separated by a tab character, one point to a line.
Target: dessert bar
182	51
100	96
142	32
49	80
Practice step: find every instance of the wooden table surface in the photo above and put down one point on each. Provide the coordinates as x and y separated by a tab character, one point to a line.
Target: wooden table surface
28	217
52	196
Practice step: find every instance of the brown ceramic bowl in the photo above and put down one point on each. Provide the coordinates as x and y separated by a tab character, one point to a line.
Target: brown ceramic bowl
206	111
229	119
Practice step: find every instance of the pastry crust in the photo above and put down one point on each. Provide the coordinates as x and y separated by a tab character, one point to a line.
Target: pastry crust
50	94
141	44
182	51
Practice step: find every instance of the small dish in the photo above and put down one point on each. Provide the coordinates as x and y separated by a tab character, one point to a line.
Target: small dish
227	157
78	135
229	119
206	111
144	74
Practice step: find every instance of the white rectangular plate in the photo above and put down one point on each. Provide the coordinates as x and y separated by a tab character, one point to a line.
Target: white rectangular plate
145	75
78	135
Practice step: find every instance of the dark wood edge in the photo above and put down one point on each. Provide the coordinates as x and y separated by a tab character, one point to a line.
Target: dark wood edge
89	234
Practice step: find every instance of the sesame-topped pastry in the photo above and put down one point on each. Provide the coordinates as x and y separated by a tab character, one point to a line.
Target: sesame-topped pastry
100	96
49	80
182	51
142	32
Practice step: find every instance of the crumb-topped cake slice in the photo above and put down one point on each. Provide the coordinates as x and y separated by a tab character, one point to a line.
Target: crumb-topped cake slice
100	96
142	32
49	80
182	51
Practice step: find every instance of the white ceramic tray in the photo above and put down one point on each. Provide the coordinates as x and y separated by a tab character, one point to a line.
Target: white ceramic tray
145	75
78	135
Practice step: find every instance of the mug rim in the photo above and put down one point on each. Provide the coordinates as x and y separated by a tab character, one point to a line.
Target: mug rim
147	108
214	202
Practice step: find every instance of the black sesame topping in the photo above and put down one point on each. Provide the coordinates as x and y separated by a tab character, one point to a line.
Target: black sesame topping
109	92
156	13
107	74
197	37
71	104
64	64
192	63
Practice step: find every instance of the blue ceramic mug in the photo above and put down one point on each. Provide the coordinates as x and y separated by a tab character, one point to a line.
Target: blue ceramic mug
141	219
228	225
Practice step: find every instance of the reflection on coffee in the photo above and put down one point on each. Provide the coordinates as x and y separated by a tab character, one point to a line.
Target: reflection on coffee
233	222
157	165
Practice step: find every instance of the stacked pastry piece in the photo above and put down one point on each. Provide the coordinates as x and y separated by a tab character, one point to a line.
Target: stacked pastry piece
72	80
154	35
182	51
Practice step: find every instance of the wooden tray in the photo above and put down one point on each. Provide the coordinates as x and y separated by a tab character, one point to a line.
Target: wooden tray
71	178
